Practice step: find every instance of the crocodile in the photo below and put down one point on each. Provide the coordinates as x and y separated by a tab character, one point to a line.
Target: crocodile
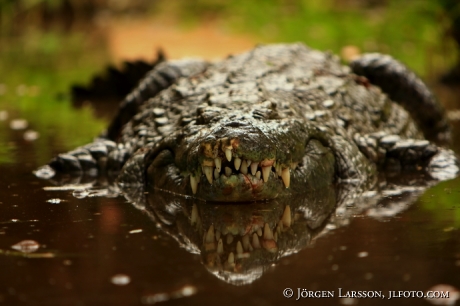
269	123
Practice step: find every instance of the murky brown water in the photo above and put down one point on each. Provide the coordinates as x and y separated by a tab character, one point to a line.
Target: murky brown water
104	251
57	249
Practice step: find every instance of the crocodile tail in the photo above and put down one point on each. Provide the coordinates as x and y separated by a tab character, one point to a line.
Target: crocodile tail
405	88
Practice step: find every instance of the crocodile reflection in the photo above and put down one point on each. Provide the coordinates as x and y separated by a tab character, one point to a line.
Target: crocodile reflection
237	243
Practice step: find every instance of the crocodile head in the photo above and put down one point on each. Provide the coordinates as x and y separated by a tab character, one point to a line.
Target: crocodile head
256	126
242	152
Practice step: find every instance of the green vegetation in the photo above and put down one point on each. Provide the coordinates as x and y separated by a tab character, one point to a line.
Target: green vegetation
38	69
413	31
443	203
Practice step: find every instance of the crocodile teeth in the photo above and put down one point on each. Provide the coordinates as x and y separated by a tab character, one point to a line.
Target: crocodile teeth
278	170
210	234
280	226
210	246
228	154
193	183
216	173
228	171
268	234
244	167
218	163
266	173
217	235
259	231
208	163
258	174
208	172
220	247
229	238
231	258
286	218
286	176
239	248
255	241
237	163
254	168
249	162
194	216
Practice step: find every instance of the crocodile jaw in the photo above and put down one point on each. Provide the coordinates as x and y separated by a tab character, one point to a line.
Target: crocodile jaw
241	164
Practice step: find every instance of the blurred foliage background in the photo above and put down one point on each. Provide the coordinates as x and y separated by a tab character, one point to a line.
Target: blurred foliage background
422	33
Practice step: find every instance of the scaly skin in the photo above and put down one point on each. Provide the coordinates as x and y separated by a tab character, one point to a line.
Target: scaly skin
295	112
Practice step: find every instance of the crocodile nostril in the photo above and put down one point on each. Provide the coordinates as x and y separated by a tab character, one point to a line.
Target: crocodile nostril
236	124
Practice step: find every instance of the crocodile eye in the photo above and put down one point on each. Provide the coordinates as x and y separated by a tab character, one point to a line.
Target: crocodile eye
207	114
266	110
260	114
265	113
237	124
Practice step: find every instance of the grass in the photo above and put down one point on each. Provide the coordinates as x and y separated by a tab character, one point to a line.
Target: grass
40	68
412	31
